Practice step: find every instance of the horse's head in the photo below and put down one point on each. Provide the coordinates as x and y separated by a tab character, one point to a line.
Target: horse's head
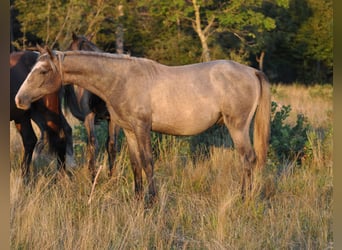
82	43
44	78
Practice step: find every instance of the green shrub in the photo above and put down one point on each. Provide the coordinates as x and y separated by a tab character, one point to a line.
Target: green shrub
80	139
287	142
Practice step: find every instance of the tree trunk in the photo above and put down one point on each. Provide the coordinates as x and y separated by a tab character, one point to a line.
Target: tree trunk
201	33
119	37
260	60
119	33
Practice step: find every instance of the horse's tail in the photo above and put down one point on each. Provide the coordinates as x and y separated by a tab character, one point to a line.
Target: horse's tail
261	134
70	102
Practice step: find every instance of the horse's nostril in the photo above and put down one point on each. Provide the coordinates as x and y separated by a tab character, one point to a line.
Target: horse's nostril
17	101
20	103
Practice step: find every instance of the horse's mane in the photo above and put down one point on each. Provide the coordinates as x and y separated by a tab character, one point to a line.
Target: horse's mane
149	64
104	55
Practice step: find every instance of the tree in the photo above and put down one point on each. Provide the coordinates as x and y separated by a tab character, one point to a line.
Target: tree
289	39
315	39
293	47
243	19
53	21
203	33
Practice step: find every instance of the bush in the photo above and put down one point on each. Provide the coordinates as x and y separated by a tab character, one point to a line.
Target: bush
80	139
287	143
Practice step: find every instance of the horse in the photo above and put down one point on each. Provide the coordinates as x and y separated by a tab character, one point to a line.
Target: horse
142	95
45	112
89	109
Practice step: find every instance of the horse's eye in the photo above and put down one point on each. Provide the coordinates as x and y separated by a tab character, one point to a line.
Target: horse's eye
44	72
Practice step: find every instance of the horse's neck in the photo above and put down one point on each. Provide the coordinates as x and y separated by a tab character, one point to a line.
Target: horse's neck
90	73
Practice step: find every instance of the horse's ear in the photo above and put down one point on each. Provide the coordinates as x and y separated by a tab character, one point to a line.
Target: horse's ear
40	49
74	36
49	51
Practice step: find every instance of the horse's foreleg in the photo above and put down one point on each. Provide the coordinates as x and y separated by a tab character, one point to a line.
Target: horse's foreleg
143	137
135	163
89	123
112	145
147	160
29	139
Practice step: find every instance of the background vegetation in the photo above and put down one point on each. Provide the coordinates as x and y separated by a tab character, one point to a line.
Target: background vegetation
291	40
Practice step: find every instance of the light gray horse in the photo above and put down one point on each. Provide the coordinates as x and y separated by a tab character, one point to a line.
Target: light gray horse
142	95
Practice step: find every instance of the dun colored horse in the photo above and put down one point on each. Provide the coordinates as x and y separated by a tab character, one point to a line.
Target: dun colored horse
45	112
89	108
142	95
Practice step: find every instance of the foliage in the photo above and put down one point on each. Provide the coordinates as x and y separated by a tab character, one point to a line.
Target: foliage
294	35
80	139
316	32
287	142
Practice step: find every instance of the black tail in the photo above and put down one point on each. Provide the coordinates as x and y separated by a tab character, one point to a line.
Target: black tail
70	102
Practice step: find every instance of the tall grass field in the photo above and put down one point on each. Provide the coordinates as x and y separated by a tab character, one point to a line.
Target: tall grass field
198	178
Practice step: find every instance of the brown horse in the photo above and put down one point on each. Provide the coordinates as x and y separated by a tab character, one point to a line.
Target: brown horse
90	108
142	95
46	113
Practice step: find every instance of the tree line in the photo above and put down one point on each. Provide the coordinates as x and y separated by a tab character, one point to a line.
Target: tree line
290	40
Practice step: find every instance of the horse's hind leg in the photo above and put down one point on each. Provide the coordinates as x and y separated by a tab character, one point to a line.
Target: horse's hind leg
40	144
42	139
29	139
70	161
242	144
112	145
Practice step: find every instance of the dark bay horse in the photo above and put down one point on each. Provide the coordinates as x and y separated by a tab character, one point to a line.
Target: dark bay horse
45	112
89	109
142	95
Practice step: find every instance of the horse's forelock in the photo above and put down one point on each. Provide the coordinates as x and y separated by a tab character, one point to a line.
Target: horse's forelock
47	58
53	66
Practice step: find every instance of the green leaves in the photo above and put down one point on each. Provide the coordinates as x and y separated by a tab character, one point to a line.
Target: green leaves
295	36
287	142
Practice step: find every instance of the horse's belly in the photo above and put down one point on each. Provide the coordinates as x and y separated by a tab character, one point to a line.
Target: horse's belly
183	123
188	109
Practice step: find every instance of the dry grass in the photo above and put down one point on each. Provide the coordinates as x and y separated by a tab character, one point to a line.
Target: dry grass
315	102
199	204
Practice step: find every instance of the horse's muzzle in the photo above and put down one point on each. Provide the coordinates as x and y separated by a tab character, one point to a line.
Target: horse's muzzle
22	102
